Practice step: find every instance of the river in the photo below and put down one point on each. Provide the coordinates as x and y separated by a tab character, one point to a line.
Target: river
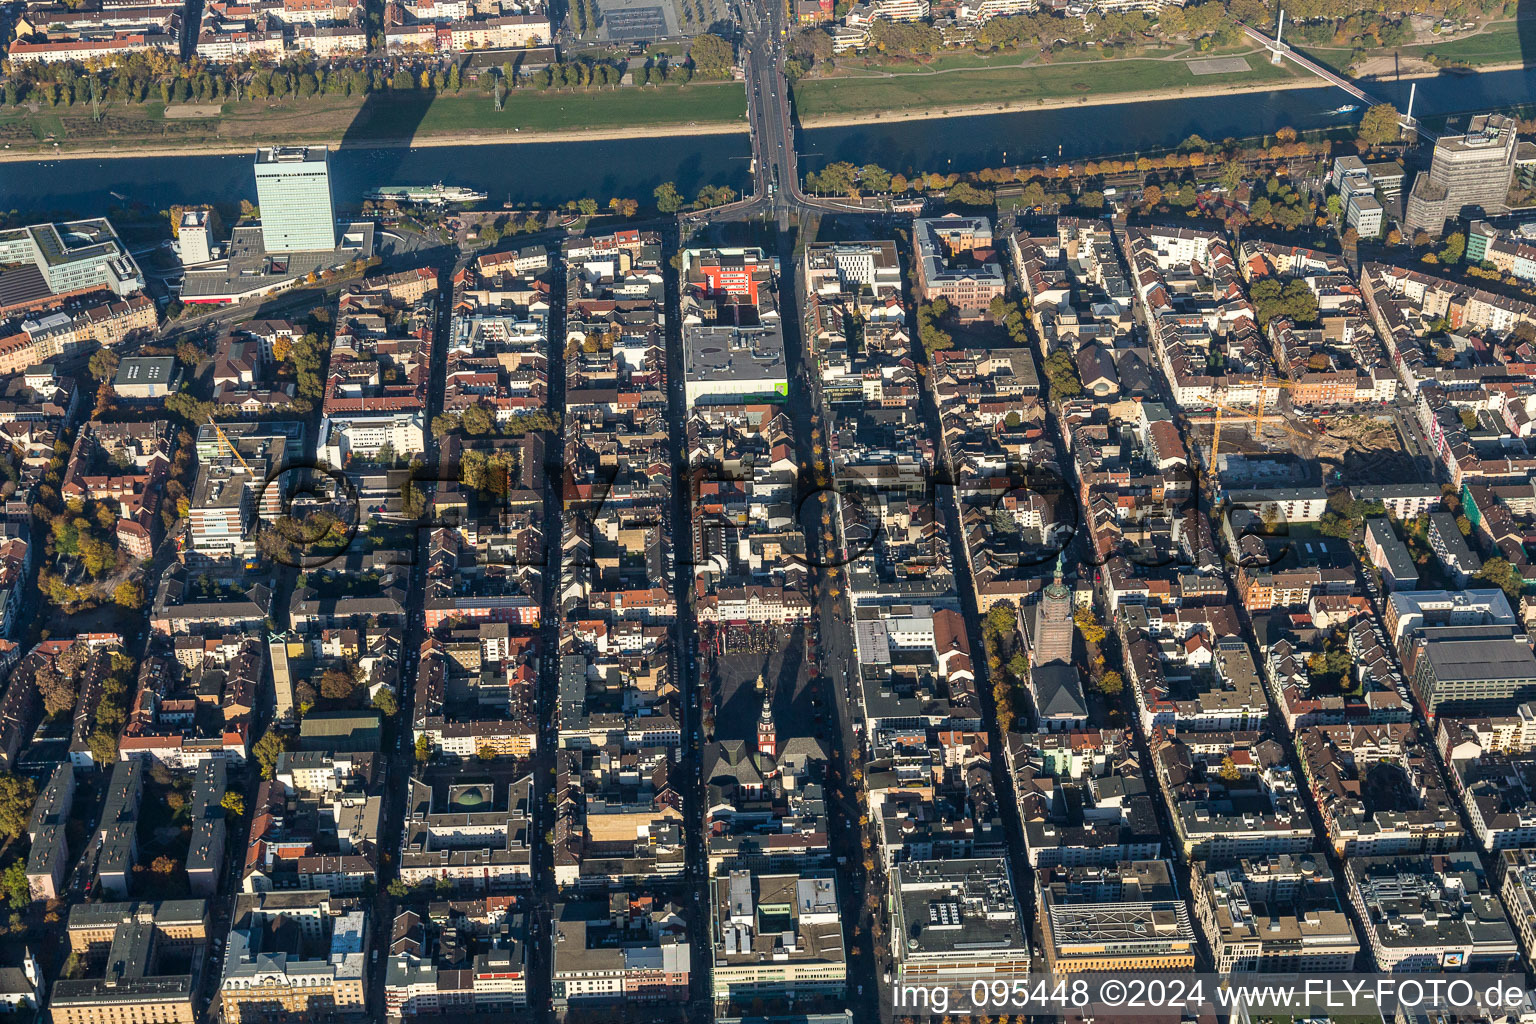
541	173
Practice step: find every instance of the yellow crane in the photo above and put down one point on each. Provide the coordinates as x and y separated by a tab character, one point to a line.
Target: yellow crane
1258	415
231	445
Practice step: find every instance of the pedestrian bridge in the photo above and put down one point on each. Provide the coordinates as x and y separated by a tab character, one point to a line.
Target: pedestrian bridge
1280	49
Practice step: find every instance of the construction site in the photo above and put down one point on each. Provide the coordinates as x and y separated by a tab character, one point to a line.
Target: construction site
1377	448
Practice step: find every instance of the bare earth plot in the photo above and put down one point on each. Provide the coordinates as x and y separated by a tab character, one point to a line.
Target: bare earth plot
1366	450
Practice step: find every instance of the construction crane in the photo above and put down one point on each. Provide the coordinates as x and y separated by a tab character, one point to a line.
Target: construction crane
235	451
1258	415
250	560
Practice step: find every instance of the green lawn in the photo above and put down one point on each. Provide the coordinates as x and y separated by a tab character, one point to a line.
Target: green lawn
1015	86
948	61
556	111
1498	45
385	116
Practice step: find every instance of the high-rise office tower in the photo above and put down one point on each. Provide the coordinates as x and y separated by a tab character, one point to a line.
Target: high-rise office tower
1474	169
293	188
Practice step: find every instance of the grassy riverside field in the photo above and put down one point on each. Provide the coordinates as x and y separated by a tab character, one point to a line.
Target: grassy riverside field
381	118
862	92
1495	44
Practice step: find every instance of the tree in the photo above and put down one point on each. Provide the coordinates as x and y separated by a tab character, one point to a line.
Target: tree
588	207
337	684
933	338
103	365
875	178
385	702
397	889
668	200
1087	625
266	750
1061	371
1379	126
233	802
1501	574
712	57
129	595
1293	301
1111	683
103	745
17	794
1228	770
58	689
14	883
1455	248
423	749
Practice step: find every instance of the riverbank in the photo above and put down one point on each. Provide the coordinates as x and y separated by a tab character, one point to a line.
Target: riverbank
379	121
859	97
658	131
1017	106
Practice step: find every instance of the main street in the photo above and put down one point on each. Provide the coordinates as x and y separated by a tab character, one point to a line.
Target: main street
775	162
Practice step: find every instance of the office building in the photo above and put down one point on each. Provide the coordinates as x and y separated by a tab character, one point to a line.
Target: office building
733	338
776	937
954	920
1357	191
1431	913
1474	169
630	948
1470	670
955	261
58	259
195	235
1114	917
293	189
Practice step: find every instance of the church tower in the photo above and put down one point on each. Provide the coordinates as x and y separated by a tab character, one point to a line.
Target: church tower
767	741
1053	621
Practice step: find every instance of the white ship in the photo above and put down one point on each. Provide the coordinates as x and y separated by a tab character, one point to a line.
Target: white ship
425	195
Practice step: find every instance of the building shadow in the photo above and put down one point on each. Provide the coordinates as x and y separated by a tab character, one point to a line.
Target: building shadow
1525	29
386	123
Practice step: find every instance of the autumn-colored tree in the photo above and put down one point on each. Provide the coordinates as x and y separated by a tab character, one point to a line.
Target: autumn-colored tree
337	684
57	689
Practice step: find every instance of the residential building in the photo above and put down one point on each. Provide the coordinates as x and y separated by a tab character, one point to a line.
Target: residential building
293	953
124	945
1390	555
1279	914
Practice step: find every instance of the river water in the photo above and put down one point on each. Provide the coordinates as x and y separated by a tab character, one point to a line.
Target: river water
541	173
